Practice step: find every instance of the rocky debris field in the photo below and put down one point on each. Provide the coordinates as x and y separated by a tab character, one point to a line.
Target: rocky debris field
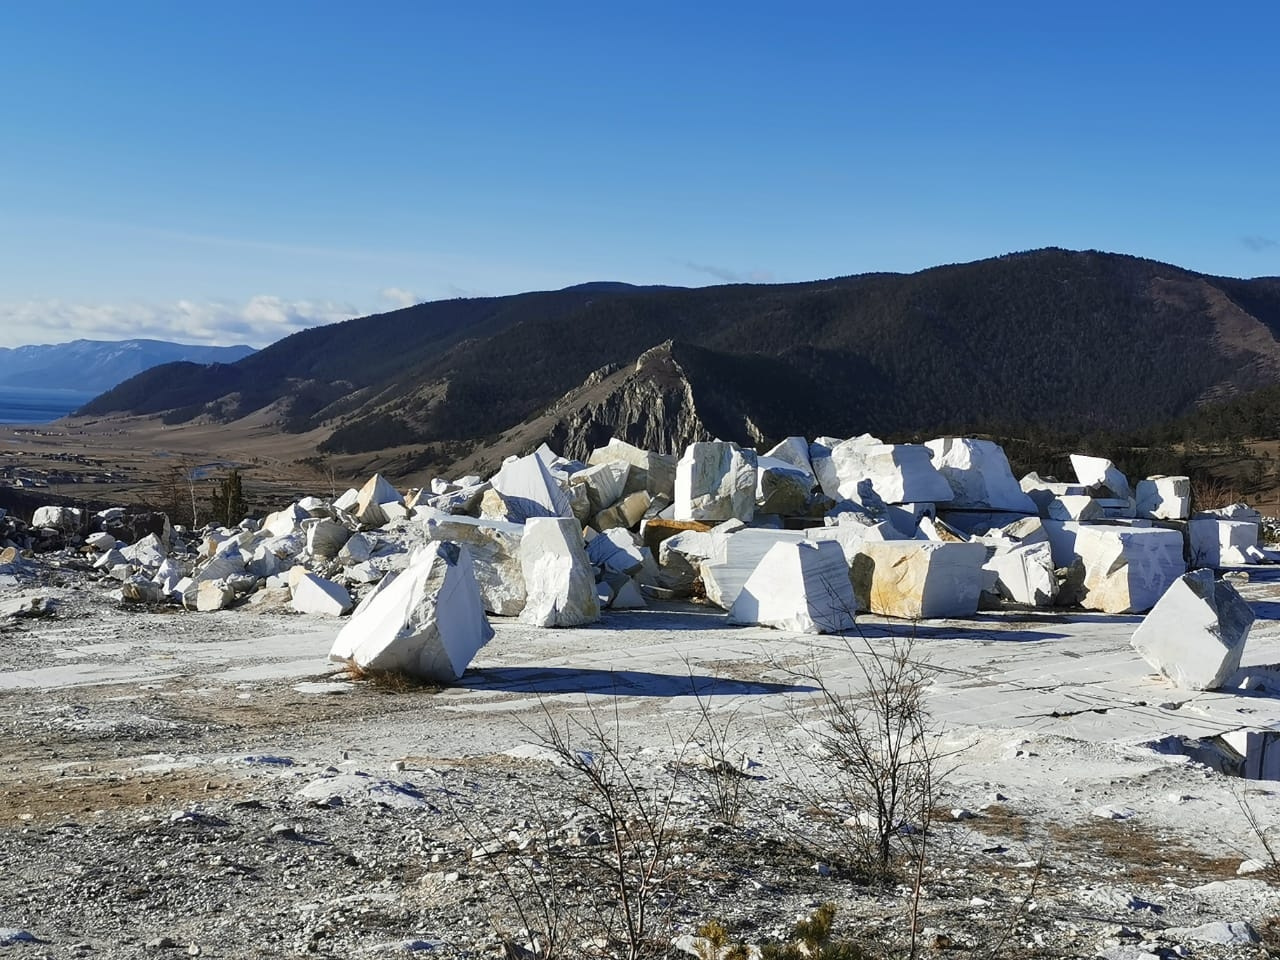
179	783
887	678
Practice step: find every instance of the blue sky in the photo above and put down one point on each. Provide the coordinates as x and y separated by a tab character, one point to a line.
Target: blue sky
232	172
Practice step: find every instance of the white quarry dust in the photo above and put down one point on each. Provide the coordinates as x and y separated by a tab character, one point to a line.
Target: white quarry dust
1047	720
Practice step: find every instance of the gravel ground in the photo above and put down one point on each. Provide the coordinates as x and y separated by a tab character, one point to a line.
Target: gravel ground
204	784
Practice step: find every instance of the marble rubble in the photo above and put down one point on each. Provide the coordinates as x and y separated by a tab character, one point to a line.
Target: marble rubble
1196	632
913	531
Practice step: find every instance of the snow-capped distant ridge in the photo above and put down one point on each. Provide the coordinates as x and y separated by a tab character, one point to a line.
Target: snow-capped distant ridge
93	366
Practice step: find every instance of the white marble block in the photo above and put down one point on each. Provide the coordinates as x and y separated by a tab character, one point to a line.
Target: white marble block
495	558
1196	633
715	481
1025	574
898	472
916	579
376	491
1097	472
734	557
979	475
1221	543
801	587
529	490
427	622
559	582
317	595
1126	569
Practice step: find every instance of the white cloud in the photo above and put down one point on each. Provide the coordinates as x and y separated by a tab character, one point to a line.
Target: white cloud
399	297
259	321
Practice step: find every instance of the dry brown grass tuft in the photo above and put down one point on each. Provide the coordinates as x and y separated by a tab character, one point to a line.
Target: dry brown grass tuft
390	681
1144	856
1210	493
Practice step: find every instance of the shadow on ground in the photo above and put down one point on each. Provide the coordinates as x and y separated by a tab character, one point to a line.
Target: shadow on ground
629	683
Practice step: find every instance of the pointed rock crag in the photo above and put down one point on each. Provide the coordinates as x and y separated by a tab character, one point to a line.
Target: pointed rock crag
650	405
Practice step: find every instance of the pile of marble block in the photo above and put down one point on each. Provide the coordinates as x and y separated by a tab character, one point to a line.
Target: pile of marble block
802	537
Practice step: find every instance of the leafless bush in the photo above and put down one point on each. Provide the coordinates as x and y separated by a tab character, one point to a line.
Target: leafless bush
634	807
722	763
1266	837
879	758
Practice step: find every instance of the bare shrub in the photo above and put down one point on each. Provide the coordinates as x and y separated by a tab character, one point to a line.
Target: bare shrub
879	758
722	765
634	808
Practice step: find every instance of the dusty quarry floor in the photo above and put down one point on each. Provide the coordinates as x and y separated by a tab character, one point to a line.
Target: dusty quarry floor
167	785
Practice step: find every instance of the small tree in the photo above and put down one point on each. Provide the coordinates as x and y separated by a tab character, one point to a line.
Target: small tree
229	505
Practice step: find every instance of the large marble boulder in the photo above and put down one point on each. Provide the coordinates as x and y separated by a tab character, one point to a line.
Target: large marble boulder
1196	632
782	488
559	582
427	622
715	481
370	501
604	485
898	472
919	579
326	538
1025	574
802	587
1126	569
1101	476
63	519
316	595
528	489
495	557
795	451
735	556
654	473
979	475
1222	543
1164	498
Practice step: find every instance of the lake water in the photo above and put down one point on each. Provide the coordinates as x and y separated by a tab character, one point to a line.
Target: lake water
33	405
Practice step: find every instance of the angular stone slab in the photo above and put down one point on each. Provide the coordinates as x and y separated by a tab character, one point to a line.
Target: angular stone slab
1126	569
898	472
559	582
1196	633
495	556
654	473
919	579
715	481
1221	543
376	491
1025	574
1164	498
604	484
979	475
529	490
317	595
427	622
1094	472
802	587
326	538
735	557
782	488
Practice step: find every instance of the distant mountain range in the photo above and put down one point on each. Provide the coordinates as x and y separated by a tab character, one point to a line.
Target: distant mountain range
92	366
1047	338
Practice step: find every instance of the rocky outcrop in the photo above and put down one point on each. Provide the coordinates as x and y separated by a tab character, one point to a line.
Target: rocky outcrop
650	404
